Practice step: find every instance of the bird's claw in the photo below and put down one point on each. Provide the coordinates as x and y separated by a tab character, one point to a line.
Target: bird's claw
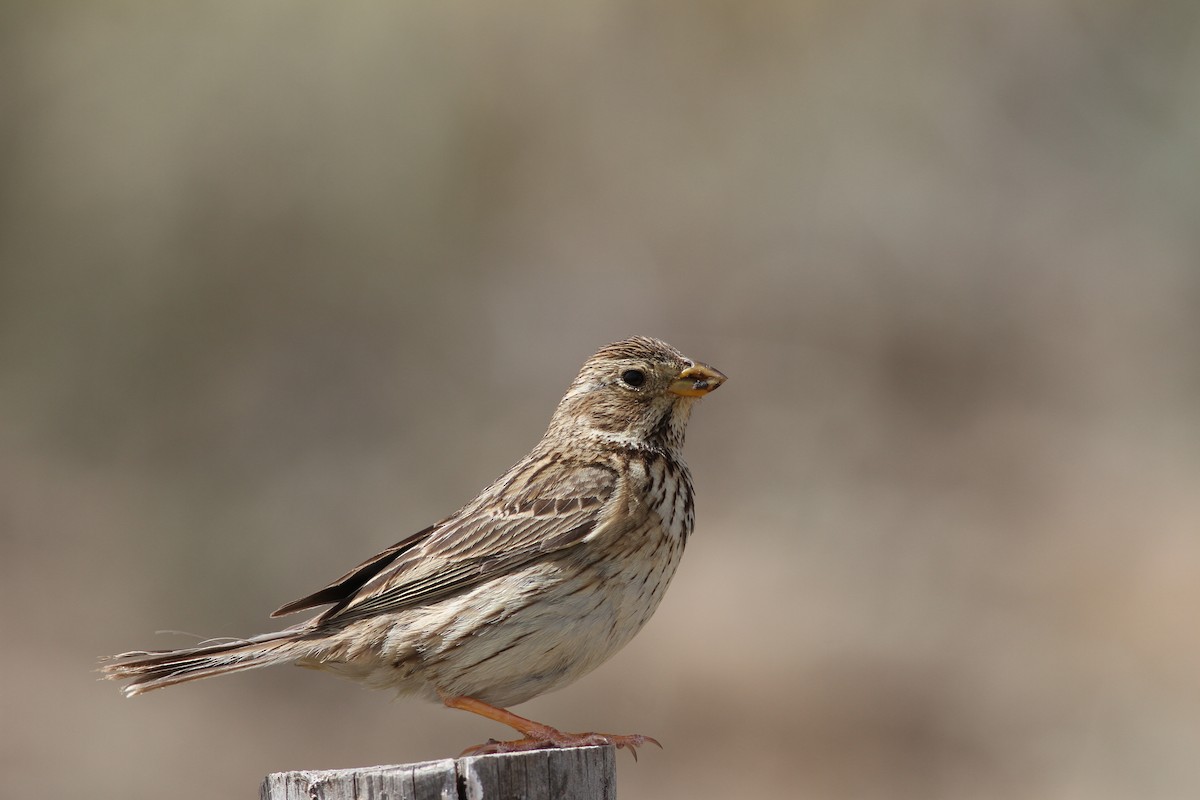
554	739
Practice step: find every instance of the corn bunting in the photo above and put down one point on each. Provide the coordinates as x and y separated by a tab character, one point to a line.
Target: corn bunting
532	584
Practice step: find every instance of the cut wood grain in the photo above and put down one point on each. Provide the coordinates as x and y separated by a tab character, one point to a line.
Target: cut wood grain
580	773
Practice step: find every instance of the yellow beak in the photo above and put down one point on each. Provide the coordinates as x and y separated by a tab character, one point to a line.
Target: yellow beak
696	381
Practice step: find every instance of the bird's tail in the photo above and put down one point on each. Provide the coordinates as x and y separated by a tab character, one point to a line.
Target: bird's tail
147	670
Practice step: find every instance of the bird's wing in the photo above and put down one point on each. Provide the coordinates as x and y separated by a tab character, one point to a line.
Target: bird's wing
353	580
534	510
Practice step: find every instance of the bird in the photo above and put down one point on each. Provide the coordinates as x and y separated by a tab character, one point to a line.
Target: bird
543	576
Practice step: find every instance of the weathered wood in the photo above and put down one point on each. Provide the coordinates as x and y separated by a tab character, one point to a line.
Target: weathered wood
579	773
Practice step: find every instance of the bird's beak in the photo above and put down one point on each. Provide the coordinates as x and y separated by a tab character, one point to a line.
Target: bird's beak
696	381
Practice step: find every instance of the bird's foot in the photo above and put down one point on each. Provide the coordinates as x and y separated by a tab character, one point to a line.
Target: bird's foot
536	735
545	738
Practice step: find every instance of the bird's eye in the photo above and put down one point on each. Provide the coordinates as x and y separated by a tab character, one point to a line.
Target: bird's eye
633	377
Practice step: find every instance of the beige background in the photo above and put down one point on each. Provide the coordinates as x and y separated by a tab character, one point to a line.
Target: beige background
282	282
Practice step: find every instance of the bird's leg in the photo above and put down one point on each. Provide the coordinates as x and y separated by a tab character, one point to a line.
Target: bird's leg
537	736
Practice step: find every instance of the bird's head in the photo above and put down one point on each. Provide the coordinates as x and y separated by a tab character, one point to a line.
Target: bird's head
636	392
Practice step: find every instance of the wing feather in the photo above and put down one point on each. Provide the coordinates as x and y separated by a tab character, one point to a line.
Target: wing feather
352	581
529	513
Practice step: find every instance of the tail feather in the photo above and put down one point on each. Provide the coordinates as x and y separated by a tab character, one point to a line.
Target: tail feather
147	670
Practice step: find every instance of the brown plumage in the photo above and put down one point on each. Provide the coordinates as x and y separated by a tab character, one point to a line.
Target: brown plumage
534	583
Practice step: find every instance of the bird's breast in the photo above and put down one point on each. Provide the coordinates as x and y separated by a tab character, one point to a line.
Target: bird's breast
661	487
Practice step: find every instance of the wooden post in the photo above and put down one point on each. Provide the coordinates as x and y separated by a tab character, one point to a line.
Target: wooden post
579	773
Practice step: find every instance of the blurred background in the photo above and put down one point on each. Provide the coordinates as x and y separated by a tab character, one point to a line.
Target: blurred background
283	282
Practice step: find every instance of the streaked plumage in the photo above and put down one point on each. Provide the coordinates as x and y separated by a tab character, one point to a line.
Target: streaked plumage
534	583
